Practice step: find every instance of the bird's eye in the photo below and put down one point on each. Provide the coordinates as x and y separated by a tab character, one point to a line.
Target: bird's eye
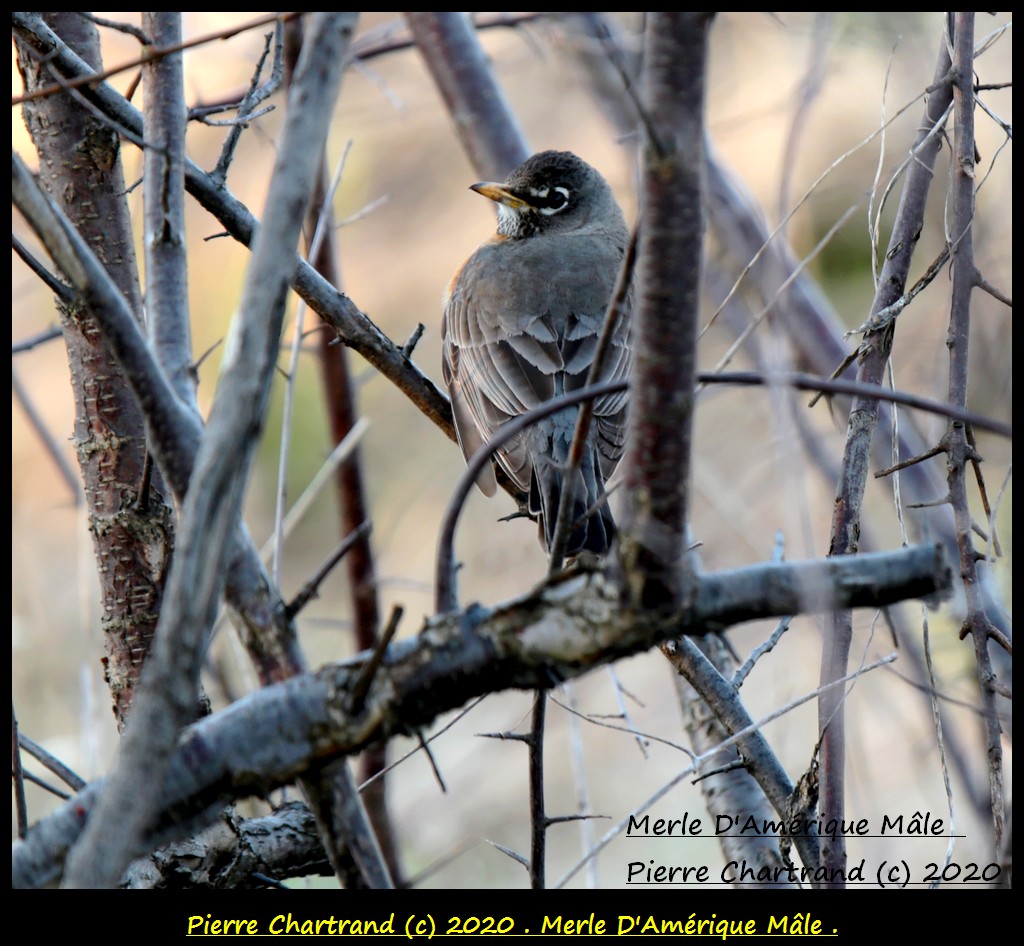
552	200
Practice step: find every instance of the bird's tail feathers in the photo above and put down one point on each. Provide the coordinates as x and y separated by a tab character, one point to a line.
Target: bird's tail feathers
591	525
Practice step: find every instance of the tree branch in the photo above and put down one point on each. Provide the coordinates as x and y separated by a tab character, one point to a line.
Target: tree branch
275	735
956	440
164	200
862	423
657	460
210	514
355	328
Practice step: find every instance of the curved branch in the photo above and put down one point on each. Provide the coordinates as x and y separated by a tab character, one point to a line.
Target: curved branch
445	595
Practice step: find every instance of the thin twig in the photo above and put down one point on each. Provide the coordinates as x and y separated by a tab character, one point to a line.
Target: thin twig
812	189
628	730
910	461
321	233
316	485
39	338
458	717
252	99
96	77
18	774
710	754
45	786
807	382
63	772
764	648
538	815
60	289
581	785
129	29
311	588
394	36
361	686
49	442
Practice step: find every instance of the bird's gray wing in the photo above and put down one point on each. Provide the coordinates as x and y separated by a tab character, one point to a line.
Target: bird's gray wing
582	329
501	357
512	342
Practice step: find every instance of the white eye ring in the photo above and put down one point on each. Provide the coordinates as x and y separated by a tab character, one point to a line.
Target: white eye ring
549	211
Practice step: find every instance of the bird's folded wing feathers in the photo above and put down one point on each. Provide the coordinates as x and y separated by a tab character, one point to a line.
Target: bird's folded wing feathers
521	346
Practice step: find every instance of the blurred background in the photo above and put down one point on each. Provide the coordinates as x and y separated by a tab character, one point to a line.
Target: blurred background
409	222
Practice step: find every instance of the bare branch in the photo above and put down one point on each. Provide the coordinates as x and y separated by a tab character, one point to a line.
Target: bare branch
132	525
657	461
355	328
164	199
210	513
51	762
955	441
49	442
862	424
100	76
559	632
59	289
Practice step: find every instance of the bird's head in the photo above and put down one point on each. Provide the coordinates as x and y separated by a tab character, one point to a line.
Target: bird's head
552	192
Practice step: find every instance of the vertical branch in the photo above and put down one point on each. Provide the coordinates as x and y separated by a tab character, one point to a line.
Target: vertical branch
164	203
957	441
18	775
350	834
262	618
657	463
862	423
342	415
108	317
539	822
133	536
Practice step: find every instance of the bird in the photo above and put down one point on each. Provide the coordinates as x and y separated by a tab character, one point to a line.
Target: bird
522	318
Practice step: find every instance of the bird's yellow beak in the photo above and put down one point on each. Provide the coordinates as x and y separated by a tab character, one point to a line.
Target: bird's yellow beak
500	194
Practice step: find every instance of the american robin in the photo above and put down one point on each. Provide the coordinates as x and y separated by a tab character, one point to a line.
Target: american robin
521	322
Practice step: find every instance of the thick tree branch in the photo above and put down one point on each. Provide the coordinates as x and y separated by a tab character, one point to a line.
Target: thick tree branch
657	461
233	853
132	524
563	630
212	505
